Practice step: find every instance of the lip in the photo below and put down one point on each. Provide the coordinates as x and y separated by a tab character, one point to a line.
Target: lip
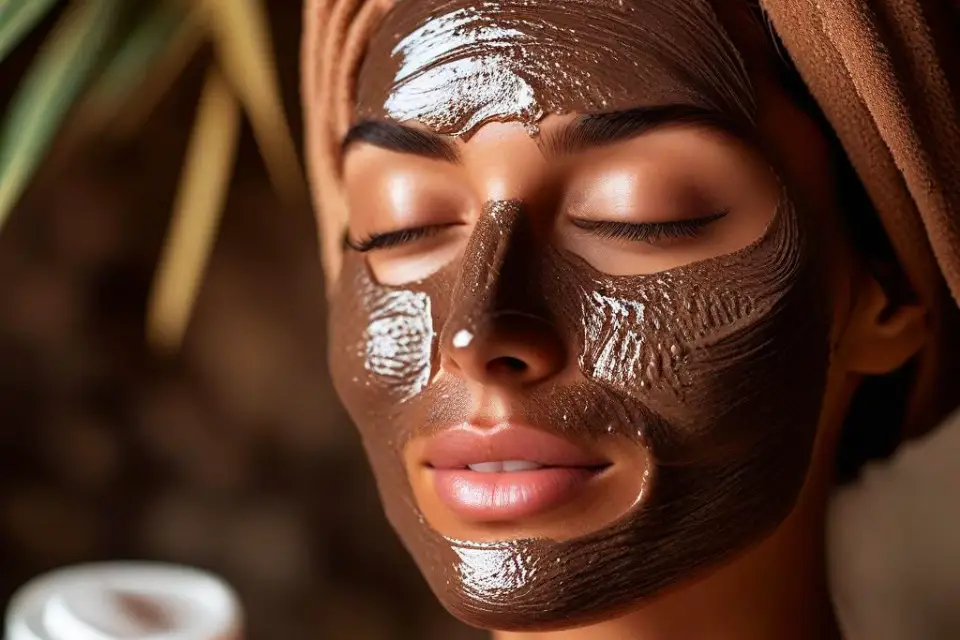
504	496
461	446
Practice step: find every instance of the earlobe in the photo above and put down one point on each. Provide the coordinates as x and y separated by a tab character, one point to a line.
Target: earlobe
880	336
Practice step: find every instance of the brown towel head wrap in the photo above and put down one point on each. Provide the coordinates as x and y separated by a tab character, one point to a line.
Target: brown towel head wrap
884	74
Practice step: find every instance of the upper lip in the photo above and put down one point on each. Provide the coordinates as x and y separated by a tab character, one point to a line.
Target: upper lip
460	446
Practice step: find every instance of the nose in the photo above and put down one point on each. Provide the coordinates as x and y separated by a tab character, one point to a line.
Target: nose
497	332
512	349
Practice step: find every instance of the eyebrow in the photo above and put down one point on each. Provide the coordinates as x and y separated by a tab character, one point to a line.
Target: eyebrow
402	139
599	129
585	132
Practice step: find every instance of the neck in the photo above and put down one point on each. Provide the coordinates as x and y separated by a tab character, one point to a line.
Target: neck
776	590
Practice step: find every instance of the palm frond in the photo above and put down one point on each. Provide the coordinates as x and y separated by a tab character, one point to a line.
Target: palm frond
56	77
203	190
123	83
144	67
241	31
17	19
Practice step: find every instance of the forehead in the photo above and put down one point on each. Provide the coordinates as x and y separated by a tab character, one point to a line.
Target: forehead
454	65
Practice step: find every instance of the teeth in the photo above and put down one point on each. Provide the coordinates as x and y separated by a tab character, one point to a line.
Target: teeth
507	466
520	465
486	467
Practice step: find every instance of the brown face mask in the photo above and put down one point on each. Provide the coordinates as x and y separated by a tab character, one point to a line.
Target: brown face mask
716	368
454	65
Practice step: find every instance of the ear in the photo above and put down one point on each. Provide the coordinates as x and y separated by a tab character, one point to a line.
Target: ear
880	336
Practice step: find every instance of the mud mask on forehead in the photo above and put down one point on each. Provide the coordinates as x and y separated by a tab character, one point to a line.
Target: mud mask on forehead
716	369
454	65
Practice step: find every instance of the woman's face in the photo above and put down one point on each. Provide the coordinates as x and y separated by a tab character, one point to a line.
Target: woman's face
583	324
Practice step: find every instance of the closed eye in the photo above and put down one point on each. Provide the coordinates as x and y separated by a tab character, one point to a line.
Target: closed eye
649	232
393	239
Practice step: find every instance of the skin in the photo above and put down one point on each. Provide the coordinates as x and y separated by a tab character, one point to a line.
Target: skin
776	588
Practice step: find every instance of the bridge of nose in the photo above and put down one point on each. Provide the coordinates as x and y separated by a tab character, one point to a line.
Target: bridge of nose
504	162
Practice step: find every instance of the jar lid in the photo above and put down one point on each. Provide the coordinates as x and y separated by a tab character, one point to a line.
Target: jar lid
122	601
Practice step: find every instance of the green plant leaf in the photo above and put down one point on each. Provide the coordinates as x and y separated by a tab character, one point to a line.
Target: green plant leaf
17	19
140	49
204	185
146	65
52	84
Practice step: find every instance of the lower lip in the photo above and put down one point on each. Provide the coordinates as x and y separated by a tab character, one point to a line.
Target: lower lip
489	497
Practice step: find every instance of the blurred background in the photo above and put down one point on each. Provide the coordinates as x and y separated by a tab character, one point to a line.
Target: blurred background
228	451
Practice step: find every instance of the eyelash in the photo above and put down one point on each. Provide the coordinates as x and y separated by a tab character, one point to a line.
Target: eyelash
648	231
630	231
393	239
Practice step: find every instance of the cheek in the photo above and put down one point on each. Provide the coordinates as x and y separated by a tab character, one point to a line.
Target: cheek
723	354
381	344
805	161
397	342
643	341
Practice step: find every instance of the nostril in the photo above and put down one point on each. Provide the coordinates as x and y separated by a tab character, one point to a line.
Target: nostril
507	365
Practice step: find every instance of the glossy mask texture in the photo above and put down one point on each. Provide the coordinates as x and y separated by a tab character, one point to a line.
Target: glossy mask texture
454	65
717	368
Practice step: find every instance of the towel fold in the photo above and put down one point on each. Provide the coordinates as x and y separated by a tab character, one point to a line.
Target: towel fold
885	74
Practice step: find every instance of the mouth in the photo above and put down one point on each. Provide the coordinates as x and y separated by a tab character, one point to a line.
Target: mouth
508	472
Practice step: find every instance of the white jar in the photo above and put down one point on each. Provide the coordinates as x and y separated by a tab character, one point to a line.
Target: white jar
125	601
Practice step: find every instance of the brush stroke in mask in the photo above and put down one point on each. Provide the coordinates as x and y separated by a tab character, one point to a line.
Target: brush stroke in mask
454	65
716	369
